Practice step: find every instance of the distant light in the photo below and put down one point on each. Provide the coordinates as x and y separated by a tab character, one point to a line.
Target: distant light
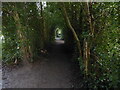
30	10
59	32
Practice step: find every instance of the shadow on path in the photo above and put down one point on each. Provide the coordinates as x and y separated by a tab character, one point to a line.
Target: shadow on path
51	72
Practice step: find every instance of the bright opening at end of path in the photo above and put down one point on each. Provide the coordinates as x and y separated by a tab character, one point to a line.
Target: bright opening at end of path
59	36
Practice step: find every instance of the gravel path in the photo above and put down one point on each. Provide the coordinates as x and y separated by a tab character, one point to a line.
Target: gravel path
51	72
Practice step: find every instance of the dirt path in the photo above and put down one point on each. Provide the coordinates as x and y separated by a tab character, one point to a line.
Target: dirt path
52	72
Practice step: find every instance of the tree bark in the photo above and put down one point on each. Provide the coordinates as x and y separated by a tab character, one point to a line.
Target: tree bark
26	54
87	41
86	56
43	25
72	29
88	5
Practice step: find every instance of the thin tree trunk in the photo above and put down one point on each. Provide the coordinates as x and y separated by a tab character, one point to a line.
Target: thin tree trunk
43	25
72	29
87	41
90	19
86	56
21	37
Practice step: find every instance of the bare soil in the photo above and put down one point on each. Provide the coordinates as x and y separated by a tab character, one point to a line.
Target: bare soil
53	71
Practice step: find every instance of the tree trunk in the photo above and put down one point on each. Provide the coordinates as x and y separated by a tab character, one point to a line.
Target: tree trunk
90	18
87	41
23	49
43	25
72	29
86	56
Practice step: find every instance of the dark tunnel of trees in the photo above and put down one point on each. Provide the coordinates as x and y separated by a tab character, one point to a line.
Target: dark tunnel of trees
91	30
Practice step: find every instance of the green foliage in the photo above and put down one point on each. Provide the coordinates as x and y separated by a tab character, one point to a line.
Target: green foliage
23	39
107	46
104	61
38	30
10	44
